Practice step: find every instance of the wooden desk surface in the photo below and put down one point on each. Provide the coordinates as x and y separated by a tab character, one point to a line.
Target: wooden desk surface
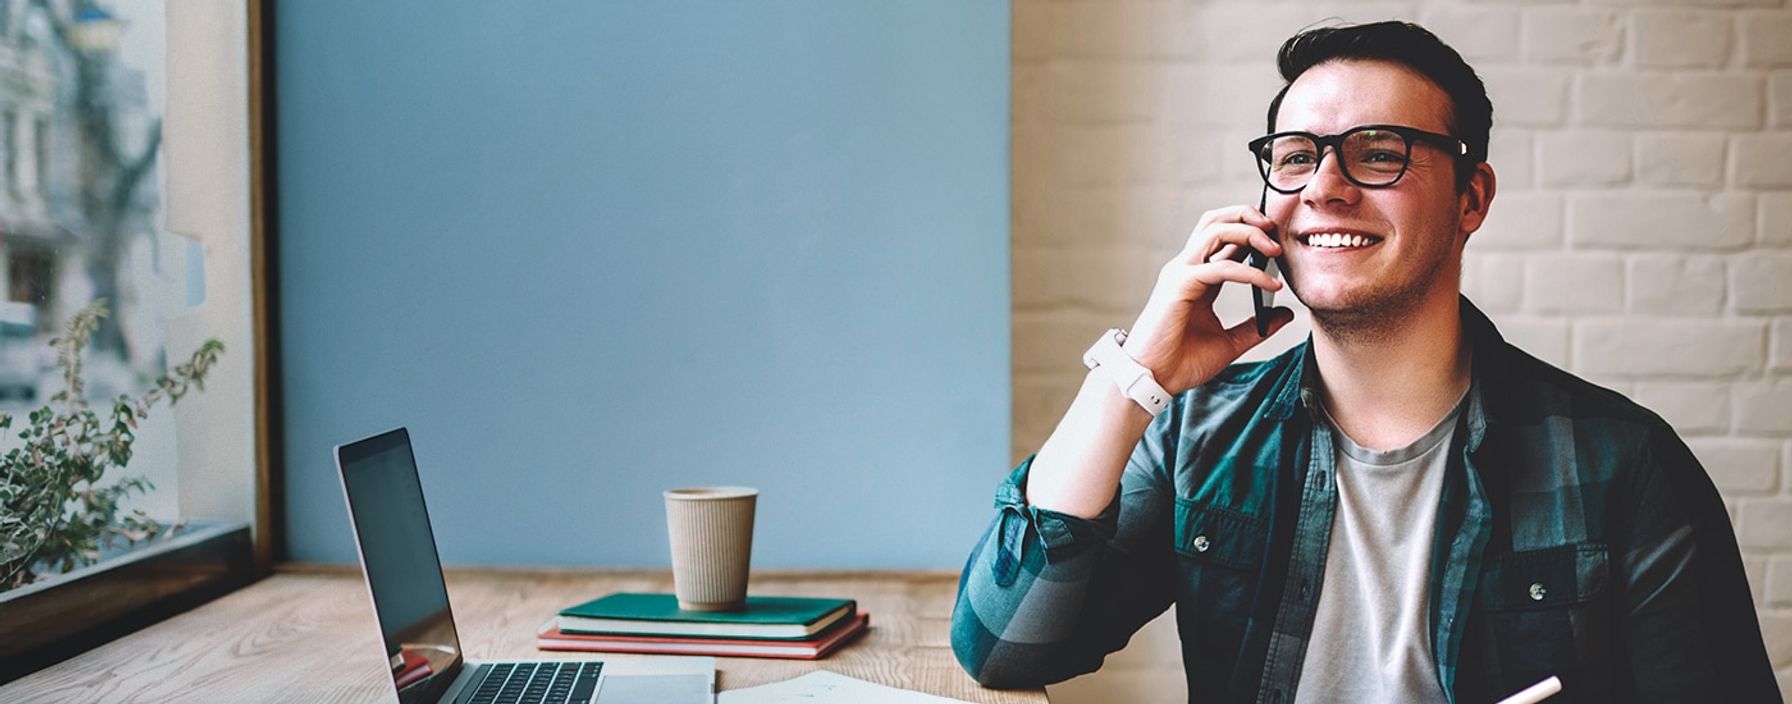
274	641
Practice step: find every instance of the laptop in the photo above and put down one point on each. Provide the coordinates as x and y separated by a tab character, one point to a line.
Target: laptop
410	601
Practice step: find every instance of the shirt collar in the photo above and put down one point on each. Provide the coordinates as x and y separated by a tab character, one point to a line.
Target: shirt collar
1295	390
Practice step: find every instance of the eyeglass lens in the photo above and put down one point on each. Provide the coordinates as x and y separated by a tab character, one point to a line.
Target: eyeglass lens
1369	157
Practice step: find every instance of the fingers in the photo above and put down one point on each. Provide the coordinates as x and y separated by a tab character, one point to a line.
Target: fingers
1240	225
1215	253
1244	335
1236	235
1236	213
1193	280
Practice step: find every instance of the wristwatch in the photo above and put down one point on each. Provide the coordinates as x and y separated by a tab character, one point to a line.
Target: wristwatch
1134	380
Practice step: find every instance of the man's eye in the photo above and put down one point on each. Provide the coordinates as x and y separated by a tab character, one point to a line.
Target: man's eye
1382	157
1297	159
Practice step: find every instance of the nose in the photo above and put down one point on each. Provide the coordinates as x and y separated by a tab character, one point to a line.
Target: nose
1328	184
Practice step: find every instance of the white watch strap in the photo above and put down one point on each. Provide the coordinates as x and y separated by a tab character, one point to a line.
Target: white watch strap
1133	379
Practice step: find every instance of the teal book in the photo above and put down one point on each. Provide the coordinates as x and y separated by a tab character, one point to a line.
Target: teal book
765	617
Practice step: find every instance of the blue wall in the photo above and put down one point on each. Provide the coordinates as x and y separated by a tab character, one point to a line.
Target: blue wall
589	251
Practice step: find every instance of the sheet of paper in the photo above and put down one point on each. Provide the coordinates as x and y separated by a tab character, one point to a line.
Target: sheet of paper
823	687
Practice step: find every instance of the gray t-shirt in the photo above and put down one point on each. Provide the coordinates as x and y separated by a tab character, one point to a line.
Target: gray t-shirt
1371	637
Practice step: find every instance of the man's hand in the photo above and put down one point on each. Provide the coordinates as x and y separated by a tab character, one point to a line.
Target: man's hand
1179	339
1177	335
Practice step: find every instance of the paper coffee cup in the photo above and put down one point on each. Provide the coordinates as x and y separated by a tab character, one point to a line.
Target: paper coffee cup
711	529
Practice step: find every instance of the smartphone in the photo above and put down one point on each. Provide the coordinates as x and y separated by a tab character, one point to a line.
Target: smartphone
1263	300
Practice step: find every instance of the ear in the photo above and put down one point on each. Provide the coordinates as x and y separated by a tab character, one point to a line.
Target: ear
1477	198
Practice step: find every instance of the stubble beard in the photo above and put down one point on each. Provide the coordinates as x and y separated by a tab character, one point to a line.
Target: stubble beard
1373	315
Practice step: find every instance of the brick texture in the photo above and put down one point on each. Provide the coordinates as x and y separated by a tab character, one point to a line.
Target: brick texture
1641	236
1495	281
1572	35
1478	33
1513	150
1767	38
1779	581
1780	360
1675	285
1574	283
1680	38
1780	92
1694	408
1739	467
1762	283
1583	158
1527	221
1638	220
1776	219
1703	99
1680	159
1762	159
1528	96
1764	408
1766	523
1693	3
1669	347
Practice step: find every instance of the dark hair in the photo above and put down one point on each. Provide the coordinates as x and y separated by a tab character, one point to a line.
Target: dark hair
1412	46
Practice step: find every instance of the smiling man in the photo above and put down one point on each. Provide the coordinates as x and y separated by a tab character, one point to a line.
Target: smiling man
1404	508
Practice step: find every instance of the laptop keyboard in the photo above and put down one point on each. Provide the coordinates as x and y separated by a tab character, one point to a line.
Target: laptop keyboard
535	683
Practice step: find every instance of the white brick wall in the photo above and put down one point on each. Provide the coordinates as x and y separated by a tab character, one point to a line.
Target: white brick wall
1670	159
1675	284
1780	97
1764	38
1676	38
1642	236
1762	159
1693	99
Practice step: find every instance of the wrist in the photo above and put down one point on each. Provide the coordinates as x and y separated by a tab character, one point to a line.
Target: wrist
1107	400
1108	359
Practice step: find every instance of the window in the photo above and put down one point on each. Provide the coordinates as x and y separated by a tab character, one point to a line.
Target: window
10	124
40	142
87	222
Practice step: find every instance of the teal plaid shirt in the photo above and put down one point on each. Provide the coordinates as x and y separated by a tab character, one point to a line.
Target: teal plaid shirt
1577	537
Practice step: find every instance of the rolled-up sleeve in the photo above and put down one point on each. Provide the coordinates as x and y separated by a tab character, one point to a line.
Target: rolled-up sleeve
1045	596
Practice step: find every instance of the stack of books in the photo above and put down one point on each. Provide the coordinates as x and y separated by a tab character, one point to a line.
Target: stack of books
769	627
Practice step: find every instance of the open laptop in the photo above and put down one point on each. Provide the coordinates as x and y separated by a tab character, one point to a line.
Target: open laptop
404	573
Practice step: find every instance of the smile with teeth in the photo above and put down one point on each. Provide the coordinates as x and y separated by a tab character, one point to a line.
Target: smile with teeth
1338	240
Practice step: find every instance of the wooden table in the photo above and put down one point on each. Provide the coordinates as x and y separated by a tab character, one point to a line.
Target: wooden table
306	634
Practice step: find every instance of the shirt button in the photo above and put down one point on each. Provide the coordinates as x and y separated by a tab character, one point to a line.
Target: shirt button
1201	543
1538	592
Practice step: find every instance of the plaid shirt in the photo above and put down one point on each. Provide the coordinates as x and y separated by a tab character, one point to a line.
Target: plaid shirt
1577	536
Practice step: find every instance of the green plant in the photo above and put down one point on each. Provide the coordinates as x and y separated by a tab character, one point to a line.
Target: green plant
53	513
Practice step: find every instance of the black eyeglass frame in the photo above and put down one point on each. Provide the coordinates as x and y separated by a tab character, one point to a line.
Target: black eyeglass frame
1336	142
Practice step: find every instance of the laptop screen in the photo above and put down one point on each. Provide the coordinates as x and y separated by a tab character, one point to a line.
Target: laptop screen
398	553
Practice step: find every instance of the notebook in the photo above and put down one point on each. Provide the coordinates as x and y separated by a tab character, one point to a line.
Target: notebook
785	617
552	638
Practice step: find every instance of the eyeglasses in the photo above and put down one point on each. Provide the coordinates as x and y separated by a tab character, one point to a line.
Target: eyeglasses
1372	156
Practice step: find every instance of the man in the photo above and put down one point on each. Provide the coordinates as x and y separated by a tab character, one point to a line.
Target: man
1402	509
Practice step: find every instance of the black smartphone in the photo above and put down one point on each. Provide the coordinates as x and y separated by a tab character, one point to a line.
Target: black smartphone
1262	300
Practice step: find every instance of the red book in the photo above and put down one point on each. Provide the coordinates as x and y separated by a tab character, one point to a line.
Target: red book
414	667
550	637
